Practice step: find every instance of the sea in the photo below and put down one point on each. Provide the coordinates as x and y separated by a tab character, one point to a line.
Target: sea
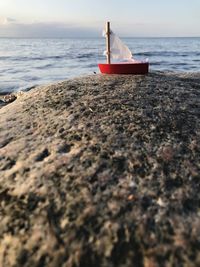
26	63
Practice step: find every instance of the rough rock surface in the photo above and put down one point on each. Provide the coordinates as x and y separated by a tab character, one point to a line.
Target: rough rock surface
102	171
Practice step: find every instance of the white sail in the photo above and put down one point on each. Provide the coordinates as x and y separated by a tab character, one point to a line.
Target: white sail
118	49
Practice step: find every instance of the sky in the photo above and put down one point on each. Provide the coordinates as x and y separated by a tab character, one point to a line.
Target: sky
86	18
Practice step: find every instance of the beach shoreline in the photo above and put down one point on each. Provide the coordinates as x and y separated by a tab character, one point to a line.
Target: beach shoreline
102	171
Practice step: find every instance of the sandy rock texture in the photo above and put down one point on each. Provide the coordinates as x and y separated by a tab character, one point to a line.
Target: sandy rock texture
102	171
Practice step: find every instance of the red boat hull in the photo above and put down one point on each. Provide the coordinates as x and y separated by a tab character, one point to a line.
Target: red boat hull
125	68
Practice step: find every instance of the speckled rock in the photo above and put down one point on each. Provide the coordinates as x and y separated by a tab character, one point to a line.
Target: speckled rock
102	171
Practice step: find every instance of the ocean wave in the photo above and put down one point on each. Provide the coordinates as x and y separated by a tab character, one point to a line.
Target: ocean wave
48	65
162	54
5	57
91	65
29	78
85	55
159	63
38	58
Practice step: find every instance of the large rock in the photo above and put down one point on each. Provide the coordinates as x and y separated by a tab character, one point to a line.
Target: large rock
102	171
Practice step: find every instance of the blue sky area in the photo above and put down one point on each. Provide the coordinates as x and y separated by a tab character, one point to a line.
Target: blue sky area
86	18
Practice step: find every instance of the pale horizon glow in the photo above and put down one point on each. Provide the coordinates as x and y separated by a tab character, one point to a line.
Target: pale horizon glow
86	18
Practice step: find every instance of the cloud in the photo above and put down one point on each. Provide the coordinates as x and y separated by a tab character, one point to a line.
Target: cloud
7	21
11	28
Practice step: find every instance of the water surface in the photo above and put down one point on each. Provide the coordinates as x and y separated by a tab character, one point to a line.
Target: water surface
29	62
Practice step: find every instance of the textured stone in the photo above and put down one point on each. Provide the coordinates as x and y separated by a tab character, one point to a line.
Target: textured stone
102	171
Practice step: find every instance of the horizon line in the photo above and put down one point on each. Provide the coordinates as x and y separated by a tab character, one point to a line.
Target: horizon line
91	37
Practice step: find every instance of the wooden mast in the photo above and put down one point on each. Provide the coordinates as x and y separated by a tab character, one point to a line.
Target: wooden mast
108	42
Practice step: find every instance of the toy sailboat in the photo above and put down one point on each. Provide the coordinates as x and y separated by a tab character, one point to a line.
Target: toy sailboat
117	50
